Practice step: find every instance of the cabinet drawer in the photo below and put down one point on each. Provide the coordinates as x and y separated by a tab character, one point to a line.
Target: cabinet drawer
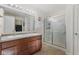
39	37
36	38
10	51
8	44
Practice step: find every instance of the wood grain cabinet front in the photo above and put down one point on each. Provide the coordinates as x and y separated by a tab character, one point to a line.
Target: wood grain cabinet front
31	47
27	46
0	49
38	45
10	51
9	44
9	47
24	46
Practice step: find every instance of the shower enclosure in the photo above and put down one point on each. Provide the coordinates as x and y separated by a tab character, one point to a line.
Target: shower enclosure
54	31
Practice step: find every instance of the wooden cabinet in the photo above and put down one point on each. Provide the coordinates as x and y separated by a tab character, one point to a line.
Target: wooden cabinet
24	46
30	45
9	48
8	44
10	51
0	49
38	45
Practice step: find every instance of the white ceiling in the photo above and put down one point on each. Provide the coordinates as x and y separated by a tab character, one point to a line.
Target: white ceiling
45	9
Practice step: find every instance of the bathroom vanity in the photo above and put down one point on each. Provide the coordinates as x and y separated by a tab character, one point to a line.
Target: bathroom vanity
18	32
25	44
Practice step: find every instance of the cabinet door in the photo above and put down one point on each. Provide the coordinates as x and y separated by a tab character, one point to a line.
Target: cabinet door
10	51
0	49
32	47
23	47
27	48
38	44
8	44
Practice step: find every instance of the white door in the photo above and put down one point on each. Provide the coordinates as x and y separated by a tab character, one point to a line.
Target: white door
75	43
77	34
9	24
76	30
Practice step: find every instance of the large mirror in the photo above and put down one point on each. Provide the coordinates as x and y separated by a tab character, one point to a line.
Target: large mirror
14	24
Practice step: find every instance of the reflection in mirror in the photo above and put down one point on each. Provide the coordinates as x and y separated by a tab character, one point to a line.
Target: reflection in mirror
18	24
29	23
12	22
15	23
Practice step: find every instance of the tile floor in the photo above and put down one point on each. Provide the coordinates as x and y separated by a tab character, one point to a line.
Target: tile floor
48	50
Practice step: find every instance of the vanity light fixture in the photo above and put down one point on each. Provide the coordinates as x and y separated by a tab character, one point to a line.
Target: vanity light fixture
20	8
12	5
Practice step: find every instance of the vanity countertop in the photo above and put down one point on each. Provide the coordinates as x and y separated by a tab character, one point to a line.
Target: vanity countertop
15	33
19	36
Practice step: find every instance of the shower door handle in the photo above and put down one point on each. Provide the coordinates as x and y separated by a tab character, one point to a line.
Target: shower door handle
52	37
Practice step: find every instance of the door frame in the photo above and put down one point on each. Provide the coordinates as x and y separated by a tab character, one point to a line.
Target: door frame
69	21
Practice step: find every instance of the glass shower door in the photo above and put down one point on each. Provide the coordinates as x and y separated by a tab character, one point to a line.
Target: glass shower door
58	30
54	31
